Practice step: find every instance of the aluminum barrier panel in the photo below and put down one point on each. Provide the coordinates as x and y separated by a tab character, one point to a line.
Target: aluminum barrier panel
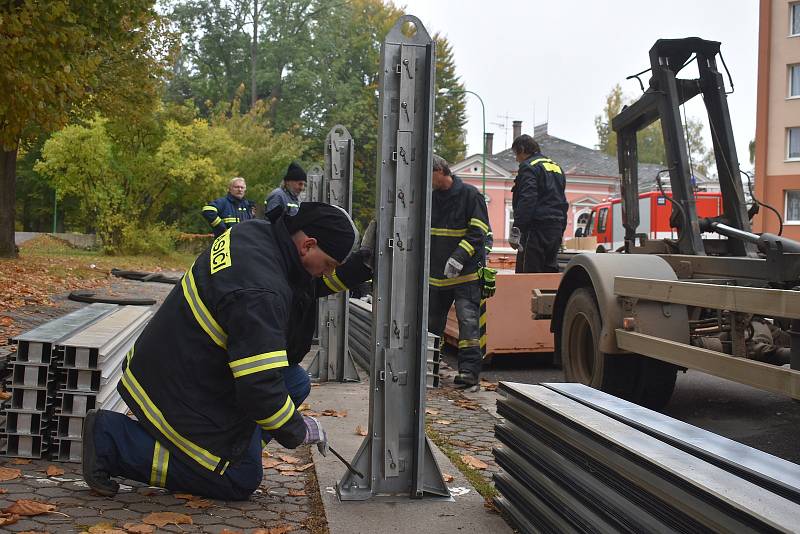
396	455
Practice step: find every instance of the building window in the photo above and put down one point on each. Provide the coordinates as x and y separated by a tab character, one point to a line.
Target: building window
794	80
792	210
794	19
509	221
793	143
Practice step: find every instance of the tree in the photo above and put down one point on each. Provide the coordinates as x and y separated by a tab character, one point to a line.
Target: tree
649	140
64	59
450	118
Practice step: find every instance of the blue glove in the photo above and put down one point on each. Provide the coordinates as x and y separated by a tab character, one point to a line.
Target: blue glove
315	434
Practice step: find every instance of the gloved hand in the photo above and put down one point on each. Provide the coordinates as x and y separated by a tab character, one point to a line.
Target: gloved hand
514	238
367	247
452	268
315	434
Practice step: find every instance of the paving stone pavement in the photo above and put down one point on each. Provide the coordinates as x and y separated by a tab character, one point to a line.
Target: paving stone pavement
467	427
287	501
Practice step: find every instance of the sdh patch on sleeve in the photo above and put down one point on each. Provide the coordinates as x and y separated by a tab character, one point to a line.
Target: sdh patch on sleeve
221	252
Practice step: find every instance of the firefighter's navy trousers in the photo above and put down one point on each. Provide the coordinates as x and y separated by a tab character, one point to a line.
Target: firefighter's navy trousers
125	449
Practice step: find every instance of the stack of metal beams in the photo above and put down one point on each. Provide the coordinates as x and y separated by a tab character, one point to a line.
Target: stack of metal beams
360	342
91	367
575	459
35	368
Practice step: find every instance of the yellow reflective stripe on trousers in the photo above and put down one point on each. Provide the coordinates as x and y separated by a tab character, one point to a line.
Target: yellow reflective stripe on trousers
210	208
259	362
445	282
280	417
449	232
480	224
464	343
334	283
230	219
158	471
200	312
216	222
156	418
466	246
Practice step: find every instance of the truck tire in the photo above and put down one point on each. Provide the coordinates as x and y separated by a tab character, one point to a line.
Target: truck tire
629	376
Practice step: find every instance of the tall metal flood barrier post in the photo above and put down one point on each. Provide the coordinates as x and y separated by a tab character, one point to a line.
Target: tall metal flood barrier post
313	193
333	360
396	458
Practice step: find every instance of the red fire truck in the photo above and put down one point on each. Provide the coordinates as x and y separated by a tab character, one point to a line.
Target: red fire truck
605	222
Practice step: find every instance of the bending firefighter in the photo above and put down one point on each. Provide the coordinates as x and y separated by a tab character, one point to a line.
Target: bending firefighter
215	374
459	233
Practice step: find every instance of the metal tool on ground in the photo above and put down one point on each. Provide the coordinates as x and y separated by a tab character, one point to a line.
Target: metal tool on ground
346	463
396	456
333	360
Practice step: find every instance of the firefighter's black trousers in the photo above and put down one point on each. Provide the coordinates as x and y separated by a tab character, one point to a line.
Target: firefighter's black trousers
468	299
125	449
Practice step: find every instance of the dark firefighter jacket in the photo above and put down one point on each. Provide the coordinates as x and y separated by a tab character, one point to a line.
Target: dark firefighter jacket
226	211
459	228
538	195
206	369
280	196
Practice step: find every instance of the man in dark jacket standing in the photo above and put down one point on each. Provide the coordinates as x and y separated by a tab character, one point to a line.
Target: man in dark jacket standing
288	194
540	208
233	208
459	226
211	377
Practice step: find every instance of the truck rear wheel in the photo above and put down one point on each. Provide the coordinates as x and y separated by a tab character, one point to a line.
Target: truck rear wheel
629	376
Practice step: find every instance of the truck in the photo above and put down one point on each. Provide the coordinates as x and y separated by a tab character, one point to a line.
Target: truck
716	298
605	219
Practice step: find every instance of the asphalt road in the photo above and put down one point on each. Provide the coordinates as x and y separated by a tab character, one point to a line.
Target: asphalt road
751	416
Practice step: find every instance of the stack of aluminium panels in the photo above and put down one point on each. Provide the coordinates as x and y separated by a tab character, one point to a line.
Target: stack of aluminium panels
35	368
575	459
90	369
360	342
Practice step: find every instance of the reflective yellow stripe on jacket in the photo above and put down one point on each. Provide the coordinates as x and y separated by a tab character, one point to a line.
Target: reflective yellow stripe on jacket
548	164
466	246
258	363
200	455
449	232
279	418
480	224
334	283
200	312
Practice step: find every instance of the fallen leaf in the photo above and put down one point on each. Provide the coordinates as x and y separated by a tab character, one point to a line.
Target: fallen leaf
19	461
289	459
199	503
303	407
28	507
105	528
474	462
139	528
312	413
269	463
5	395
53	471
275	530
361	431
9	473
443	422
226	531
3	491
447	478
286	467
6	321
162	519
187	496
334	413
8	519
297	493
305	467
265	453
430	411
291	473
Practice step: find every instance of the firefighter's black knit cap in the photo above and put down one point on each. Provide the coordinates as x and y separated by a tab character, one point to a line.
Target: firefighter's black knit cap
330	225
295	173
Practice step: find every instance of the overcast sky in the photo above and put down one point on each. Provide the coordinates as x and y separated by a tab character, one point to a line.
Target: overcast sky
520	55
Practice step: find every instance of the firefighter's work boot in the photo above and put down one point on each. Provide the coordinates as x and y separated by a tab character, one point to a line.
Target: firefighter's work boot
465	379
95	476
